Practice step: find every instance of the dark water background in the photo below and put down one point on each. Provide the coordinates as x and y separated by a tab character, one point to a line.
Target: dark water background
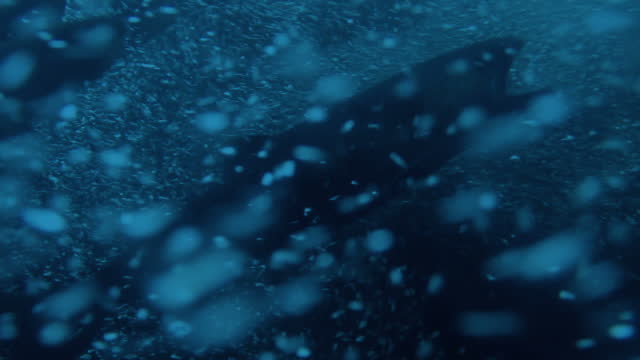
570	198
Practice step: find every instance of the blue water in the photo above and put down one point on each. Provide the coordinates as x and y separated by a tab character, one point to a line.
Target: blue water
236	180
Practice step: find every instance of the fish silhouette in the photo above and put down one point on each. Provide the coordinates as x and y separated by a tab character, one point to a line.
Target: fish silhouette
321	174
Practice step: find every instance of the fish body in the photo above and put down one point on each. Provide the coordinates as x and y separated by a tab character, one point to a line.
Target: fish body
325	173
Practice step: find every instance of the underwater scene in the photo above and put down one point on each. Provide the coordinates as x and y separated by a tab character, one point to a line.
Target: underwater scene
319	179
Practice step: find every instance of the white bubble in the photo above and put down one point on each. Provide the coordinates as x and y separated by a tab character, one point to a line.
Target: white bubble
324	260
66	304
115	101
44	219
142	314
585	343
470	118
54	333
110	336
145	222
297	296
347	126
282	40
58	44
309	153
185	283
212	122
622	331
16	69
285	257
487	201
168	10
398	160
334	88
432	180
179	328
397	275
303	352
228	151
267	179
221	242
549	109
435	284
270	50
356	305
566	295
68	112
117	158
389	42
284	170
183	242
316	114
547	258
379	240
289	344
